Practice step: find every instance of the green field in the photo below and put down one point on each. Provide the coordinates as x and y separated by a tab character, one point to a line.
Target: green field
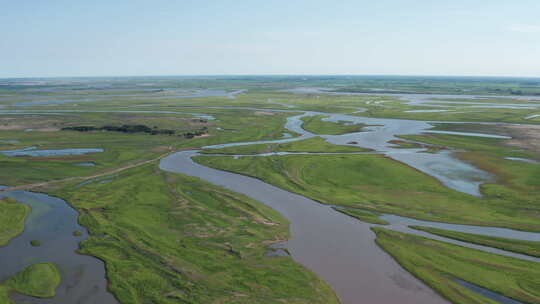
37	280
120	149
12	217
315	144
316	125
438	264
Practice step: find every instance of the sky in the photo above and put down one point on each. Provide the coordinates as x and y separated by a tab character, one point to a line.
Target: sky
60	38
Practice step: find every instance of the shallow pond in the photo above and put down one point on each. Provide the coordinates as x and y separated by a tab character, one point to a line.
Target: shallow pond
45	153
86	164
52	221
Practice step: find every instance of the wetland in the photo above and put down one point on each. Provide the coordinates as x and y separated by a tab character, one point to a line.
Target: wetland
167	218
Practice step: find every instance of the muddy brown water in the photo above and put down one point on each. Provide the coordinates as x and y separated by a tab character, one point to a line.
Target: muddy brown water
335	246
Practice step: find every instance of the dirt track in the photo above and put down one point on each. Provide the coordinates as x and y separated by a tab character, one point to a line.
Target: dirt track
44	184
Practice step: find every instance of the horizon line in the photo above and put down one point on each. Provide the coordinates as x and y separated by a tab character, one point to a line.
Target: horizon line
270	75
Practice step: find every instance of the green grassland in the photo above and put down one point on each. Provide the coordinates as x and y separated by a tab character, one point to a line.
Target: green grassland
519	246
12	217
169	238
438	264
120	149
397	109
314	144
384	185
316	125
37	280
363	215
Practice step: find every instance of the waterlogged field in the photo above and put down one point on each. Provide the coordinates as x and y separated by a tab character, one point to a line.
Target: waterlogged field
173	238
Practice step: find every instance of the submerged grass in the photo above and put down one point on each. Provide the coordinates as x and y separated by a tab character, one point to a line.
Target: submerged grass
438	264
170	238
519	246
12	217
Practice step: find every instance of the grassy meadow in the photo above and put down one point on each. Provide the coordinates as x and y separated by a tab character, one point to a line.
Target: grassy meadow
316	125
12	217
169	238
37	280
314	144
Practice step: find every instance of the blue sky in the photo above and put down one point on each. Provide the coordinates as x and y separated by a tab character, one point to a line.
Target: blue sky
183	37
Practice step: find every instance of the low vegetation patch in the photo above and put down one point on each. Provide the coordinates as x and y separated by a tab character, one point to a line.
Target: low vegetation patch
316	125
37	280
12	217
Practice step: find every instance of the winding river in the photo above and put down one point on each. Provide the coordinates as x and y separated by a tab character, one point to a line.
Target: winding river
339	248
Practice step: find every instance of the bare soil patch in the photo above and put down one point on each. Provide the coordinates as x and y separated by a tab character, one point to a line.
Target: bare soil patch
525	136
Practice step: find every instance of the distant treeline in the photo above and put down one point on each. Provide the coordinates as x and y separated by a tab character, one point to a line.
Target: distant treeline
135	129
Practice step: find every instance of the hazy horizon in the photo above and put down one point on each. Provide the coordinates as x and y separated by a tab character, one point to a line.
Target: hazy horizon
64	39
272	75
